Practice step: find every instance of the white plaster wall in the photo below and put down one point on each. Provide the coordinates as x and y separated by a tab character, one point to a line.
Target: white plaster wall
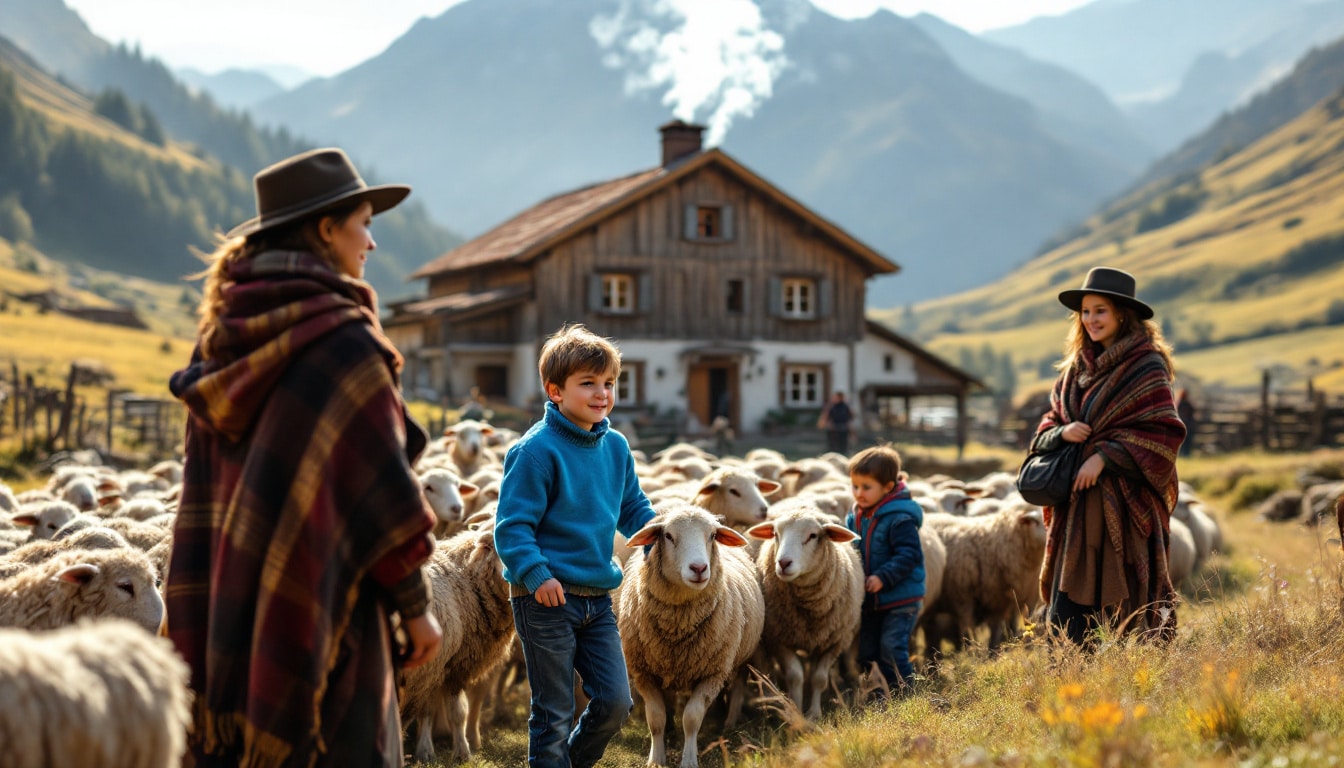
868	363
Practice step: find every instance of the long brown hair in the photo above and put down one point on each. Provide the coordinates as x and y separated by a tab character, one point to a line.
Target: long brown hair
1077	339
301	235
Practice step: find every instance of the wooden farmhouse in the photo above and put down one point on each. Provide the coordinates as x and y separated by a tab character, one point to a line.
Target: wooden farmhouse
726	296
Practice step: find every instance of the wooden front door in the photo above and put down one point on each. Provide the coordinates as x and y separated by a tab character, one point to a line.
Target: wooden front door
712	391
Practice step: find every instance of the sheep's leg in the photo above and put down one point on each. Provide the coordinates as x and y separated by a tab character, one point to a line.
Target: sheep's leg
456	704
691	718
424	738
476	696
793	676
736	695
821	680
655	714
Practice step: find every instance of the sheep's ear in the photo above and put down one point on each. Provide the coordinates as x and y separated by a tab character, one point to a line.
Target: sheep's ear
767	487
790	471
729	537
708	488
477	519
466	489
27	518
645	536
79	573
486	429
762	531
839	533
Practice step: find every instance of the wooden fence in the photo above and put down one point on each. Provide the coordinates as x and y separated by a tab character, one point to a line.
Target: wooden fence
84	414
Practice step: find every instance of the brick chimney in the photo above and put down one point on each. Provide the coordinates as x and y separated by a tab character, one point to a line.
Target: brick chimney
680	140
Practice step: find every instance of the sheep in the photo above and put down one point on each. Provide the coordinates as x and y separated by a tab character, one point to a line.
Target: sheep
470	600
9	503
736	495
45	518
81	493
79	583
805	472
464	444
1182	552
690	613
992	571
1204	530
935	563
446	493
1282	505
43	550
812	581
102	693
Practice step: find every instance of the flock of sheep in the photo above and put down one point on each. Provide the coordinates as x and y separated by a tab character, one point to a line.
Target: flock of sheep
747	565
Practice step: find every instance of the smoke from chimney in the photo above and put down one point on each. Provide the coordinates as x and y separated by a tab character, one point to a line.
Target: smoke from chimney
713	57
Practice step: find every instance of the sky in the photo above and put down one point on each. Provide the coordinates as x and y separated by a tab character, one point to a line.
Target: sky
214	35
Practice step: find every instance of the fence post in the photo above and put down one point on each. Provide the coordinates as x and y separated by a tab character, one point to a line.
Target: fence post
67	409
1265	415
111	417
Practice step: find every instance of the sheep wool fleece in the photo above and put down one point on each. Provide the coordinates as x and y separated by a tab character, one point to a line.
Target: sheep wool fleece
299	518
564	493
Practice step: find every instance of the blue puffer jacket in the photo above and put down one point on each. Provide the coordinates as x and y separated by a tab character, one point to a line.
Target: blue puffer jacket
889	544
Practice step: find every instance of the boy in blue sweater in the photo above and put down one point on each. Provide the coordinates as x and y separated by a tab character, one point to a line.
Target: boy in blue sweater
887	521
569	483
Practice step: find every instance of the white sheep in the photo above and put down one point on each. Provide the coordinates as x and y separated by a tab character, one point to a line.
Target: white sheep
812	580
993	570
1182	553
45	518
39	551
446	493
9	503
101	693
470	600
1207	535
690	614
736	495
83	583
464	442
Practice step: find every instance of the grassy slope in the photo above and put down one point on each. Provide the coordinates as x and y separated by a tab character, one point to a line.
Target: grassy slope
1250	217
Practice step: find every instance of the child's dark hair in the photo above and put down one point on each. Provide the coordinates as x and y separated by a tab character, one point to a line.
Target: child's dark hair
574	349
881	462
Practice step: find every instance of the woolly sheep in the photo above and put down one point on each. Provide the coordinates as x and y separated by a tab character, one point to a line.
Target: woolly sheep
42	550
470	600
83	583
45	518
81	493
935	563
736	495
465	445
104	693
1204	530
993	569
690	613
1182	553
805	472
8	502
812	581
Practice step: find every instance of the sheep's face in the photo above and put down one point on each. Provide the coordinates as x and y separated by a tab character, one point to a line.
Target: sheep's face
445	494
684	542
117	587
47	520
799	539
468	438
1033	522
739	497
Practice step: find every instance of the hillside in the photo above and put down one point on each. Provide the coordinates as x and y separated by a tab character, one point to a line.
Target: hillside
1243	262
95	180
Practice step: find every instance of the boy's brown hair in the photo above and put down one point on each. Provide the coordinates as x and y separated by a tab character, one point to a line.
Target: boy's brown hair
881	462
573	349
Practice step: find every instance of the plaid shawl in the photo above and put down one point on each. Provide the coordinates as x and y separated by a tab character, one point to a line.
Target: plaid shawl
1126	393
296	483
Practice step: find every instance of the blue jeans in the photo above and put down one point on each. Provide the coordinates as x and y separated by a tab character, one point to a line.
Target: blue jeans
884	637
579	636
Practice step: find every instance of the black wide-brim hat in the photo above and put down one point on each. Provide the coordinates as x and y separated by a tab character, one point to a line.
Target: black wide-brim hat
1111	283
309	183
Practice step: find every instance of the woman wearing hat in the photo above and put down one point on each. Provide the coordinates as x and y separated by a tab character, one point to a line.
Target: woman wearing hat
301	527
1106	552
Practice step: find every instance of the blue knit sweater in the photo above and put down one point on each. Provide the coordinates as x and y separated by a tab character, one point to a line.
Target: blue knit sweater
564	494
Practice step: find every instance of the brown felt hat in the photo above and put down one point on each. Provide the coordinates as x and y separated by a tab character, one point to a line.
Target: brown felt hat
1111	283
312	182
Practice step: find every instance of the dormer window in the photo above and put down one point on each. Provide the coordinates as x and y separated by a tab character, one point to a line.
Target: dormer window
798	298
618	293
709	222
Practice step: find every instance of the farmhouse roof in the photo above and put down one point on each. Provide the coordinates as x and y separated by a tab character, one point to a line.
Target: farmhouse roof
924	356
536	230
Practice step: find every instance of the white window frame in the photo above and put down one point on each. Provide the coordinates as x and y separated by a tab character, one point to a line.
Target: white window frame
627	386
803	386
798	297
618	293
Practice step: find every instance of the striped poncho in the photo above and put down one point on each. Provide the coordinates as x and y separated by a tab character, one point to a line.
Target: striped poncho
1109	547
300	524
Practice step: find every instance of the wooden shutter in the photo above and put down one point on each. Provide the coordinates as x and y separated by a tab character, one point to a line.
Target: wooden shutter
595	292
774	297
727	224
644	300
825	299
690	224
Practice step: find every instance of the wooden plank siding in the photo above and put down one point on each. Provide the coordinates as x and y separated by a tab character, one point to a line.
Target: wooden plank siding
689	278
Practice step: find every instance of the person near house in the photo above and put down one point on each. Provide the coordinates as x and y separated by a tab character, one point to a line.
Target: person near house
887	521
835	419
301	528
474	407
1185	408
1106	552
569	484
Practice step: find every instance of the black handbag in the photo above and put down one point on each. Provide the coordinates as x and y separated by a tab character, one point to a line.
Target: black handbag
1046	479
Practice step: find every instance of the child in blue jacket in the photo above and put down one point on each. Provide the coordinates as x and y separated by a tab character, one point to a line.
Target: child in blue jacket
887	521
